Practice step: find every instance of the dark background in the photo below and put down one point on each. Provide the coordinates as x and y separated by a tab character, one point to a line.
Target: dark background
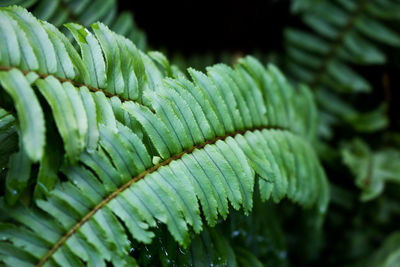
212	26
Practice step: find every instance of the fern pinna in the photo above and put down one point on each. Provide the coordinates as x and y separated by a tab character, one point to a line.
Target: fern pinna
116	141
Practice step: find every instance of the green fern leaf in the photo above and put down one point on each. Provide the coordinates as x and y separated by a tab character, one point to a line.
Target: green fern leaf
38	58
210	171
213	142
372	169
29	112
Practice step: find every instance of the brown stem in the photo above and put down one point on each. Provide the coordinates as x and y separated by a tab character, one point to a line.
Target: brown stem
76	84
134	180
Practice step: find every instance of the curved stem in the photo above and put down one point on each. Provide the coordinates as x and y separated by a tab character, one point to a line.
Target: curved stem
142	175
76	84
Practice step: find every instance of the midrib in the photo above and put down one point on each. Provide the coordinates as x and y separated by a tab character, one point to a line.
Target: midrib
137	178
74	83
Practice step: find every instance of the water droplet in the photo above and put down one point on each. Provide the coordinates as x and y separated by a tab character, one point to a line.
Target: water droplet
131	250
282	254
14	192
235	233
75	182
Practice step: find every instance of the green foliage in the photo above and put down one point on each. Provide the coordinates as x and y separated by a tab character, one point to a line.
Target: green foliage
339	45
340	37
136	149
371	169
388	254
8	136
64	77
345	32
110	155
58	12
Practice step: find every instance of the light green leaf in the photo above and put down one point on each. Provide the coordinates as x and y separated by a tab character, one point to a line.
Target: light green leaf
67	112
29	112
91	55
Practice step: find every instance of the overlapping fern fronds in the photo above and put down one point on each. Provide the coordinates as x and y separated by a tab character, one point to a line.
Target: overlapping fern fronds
85	88
139	148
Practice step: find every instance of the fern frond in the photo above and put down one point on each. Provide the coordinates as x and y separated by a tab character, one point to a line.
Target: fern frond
371	169
53	54
35	56
202	144
58	12
166	194
345	33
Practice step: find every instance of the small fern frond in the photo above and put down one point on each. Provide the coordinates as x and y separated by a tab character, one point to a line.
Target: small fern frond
371	169
345	32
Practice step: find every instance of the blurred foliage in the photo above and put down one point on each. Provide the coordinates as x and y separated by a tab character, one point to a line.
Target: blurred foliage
337	50
371	169
388	255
